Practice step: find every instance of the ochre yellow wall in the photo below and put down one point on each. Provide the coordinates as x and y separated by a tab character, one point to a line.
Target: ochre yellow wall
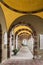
10	15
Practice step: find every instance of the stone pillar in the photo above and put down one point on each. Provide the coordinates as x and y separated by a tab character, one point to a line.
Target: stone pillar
4	46
14	41
17	42
11	43
8	46
35	46
0	44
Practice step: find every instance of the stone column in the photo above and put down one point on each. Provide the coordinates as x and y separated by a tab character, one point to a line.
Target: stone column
14	41
0	44
35	46
8	46
17	42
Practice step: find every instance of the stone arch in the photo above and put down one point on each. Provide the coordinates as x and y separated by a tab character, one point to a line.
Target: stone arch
22	30
22	20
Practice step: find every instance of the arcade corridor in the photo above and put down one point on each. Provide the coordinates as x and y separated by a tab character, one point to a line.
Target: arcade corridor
21	32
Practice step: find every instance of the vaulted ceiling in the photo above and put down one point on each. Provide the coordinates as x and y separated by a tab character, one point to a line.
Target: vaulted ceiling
21	6
21	27
25	5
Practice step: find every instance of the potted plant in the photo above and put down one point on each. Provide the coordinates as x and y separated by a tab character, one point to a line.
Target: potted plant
15	51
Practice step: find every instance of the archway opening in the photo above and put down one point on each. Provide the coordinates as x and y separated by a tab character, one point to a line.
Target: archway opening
17	31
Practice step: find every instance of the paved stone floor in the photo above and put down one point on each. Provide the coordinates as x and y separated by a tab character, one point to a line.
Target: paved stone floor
24	53
22	62
23	57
